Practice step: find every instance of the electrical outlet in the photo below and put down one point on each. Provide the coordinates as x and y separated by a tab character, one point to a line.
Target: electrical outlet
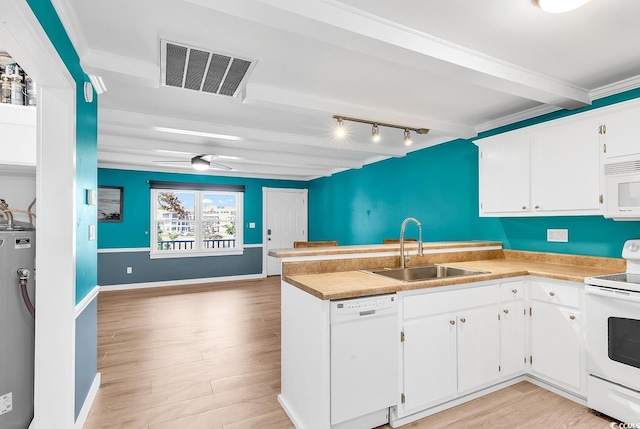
6	403
558	235
252	225
129	270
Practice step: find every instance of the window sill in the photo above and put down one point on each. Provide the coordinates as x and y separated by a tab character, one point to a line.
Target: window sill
185	254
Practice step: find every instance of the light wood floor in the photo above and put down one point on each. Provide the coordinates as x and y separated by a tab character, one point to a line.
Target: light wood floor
208	357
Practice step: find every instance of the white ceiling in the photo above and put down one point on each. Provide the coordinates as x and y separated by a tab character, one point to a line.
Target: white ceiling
457	67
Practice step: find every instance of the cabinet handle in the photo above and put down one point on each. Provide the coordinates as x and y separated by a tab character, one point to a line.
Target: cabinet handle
552	293
463	320
505	311
572	317
524	207
453	322
514	290
537	206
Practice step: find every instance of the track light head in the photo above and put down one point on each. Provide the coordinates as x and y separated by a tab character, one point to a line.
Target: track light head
407	137
340	131
375	133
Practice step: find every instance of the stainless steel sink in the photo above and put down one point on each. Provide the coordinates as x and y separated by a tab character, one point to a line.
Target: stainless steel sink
428	272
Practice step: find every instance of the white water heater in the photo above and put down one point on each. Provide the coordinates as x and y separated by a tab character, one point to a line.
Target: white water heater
17	327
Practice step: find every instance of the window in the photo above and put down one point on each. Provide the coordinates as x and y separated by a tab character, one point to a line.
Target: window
196	222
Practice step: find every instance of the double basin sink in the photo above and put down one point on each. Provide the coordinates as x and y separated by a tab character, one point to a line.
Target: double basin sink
427	272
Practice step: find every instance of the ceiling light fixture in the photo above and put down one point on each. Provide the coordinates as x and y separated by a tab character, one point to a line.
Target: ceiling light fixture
340	131
560	6
407	137
198	163
195	133
375	131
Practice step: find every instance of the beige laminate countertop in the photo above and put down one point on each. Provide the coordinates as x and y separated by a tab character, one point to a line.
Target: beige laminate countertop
350	284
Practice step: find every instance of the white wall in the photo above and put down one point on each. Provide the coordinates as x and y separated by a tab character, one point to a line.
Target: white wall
18	189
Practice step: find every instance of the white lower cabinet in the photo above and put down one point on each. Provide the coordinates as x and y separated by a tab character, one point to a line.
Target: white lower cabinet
444	333
458	342
429	358
556	334
513	328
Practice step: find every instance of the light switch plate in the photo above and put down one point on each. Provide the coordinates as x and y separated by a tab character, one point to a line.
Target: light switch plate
558	235
92	197
252	225
92	232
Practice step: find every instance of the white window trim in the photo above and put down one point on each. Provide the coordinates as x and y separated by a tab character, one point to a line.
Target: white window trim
166	254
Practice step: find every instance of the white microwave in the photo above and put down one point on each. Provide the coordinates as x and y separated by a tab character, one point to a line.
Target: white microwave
622	190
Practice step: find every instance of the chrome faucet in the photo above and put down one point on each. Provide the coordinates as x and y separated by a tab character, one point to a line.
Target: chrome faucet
402	228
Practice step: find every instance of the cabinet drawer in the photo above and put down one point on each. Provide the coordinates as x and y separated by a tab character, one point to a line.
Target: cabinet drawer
430	304
512	291
555	293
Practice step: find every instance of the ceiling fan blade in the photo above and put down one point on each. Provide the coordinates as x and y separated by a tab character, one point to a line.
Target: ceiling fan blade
168	161
218	166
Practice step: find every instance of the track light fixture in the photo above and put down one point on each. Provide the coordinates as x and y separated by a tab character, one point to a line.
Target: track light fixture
375	133
340	130
407	137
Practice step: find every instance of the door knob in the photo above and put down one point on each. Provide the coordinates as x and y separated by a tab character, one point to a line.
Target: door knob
514	290
552	293
463	320
572	317
453	322
505	311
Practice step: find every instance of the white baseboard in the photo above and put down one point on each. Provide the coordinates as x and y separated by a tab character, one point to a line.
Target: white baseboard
88	402
129	286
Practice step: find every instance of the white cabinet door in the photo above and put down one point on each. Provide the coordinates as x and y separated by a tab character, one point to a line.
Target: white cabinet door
429	361
513	338
621	132
555	343
565	161
504	174
478	347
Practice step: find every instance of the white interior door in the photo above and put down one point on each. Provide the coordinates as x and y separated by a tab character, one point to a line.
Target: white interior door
285	213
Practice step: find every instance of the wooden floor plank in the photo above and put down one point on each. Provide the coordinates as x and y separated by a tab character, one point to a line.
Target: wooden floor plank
208	356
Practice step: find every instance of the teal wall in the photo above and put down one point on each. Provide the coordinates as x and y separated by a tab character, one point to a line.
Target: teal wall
86	178
133	231
439	186
86	147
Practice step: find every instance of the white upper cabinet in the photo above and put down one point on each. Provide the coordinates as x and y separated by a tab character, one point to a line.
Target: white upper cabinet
620	131
565	174
549	169
504	174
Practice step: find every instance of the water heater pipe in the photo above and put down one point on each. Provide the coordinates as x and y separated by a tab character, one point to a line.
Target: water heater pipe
23	279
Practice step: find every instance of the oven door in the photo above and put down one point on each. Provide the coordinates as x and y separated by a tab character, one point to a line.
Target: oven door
613	335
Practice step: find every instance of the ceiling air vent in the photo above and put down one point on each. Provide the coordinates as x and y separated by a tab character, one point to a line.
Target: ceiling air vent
201	70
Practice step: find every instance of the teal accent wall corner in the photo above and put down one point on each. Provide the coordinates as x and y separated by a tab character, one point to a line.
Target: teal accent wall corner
86	178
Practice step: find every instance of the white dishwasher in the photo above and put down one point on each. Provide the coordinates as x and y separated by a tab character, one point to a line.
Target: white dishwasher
364	361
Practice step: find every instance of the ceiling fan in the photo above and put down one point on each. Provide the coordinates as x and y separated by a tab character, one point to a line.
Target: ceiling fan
203	162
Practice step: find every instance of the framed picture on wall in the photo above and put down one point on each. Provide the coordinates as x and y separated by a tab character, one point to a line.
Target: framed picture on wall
110	203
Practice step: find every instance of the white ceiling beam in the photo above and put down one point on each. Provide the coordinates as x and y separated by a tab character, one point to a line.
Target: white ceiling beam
142	121
146	73
268	96
106	159
114	143
390	41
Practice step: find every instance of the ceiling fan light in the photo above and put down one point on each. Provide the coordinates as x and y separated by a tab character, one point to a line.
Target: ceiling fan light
560	6
199	164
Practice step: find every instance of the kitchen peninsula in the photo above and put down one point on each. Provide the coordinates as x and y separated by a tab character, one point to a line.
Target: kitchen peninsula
524	312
